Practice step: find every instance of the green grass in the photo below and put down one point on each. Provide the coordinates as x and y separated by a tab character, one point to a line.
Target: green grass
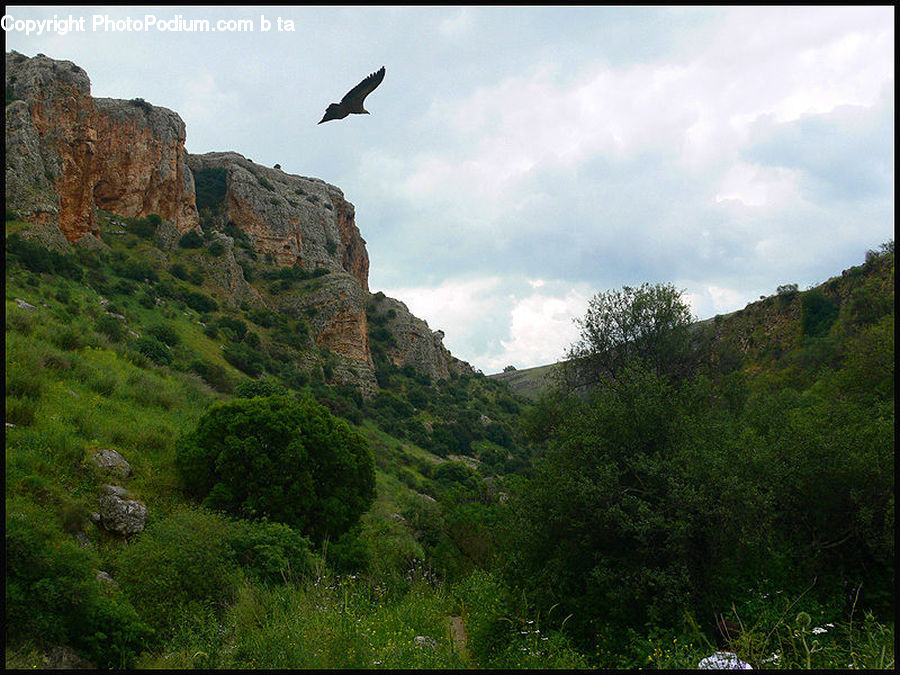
75	384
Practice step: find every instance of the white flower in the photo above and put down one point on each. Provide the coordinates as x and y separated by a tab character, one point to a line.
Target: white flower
818	630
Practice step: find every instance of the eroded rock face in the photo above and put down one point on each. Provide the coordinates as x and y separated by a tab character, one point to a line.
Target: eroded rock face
290	220
334	308
68	153
416	344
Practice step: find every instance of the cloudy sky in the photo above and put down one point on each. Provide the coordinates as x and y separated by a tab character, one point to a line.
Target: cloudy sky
520	159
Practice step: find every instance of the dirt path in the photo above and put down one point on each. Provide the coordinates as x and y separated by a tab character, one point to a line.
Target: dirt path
458	635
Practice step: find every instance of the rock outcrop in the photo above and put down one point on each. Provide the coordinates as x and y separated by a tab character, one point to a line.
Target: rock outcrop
414	343
112	463
289	219
120	513
68	154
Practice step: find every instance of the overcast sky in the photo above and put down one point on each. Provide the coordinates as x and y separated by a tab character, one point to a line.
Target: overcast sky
520	159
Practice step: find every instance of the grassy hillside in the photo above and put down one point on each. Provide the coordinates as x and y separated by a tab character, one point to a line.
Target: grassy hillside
527	382
126	347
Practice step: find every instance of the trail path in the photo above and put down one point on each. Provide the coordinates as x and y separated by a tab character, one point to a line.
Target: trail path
458	636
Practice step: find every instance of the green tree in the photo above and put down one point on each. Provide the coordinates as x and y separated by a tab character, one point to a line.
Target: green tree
649	324
287	460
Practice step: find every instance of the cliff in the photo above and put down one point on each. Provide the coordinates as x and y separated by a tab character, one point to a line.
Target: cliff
70	155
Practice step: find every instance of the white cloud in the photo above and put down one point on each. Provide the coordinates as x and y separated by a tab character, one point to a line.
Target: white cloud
542	327
585	148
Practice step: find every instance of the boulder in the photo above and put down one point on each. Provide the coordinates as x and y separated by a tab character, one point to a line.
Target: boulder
119	513
112	463
66	658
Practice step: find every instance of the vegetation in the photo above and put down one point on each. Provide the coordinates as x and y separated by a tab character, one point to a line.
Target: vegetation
685	472
283	460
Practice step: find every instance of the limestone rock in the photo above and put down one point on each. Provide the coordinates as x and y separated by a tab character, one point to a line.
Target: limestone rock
112	463
68	153
105	579
119	513
416	344
66	658
226	272
426	641
291	219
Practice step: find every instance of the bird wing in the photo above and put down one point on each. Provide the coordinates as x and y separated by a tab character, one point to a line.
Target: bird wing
364	88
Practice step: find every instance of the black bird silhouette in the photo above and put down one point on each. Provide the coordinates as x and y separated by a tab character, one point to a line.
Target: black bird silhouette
353	99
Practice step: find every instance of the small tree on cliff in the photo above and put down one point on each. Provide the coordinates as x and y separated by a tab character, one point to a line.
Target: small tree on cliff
287	460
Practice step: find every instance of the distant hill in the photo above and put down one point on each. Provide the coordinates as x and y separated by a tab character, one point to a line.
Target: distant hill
528	382
766	328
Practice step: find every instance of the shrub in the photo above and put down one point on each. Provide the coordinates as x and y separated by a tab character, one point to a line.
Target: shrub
213	373
264	387
200	302
818	313
154	350
111	327
191	239
165	334
271	552
178	566
145	228
290	461
244	358
53	596
178	271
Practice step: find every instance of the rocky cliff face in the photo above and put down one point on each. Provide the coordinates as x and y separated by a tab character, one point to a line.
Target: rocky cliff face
414	343
291	219
68	153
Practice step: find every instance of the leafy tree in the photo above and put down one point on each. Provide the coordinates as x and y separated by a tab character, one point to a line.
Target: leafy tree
263	387
818	313
154	350
648	324
285	460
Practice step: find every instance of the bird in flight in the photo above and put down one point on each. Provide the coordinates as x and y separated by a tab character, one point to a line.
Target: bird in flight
353	99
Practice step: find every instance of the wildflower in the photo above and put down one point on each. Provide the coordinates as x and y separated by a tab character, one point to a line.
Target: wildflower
818	630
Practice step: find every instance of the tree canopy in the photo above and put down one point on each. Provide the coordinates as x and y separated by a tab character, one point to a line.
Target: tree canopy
648	324
283	459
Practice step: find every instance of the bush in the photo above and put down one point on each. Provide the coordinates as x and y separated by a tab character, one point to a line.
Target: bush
178	271
289	461
154	350
200	302
179	566
213	373
165	334
191	239
264	387
244	358
41	260
270	552
53	596
111	327
818	313
145	228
